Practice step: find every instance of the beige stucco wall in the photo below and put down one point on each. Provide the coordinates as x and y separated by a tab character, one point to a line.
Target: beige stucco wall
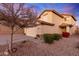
70	20
51	18
54	19
41	29
48	29
32	31
46	16
73	30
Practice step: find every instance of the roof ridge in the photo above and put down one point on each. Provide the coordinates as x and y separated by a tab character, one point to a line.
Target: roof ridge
69	15
51	11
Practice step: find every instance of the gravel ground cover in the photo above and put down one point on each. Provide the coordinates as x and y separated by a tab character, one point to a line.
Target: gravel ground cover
36	47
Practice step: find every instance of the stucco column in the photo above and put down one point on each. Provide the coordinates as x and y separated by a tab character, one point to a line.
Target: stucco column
67	29
25	31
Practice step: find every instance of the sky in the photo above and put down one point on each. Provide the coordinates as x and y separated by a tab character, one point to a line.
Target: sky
66	8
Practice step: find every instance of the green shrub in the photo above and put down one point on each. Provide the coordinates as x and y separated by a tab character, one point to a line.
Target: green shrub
49	38
56	36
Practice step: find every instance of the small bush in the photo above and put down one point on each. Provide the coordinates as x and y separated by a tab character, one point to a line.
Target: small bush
56	36
49	38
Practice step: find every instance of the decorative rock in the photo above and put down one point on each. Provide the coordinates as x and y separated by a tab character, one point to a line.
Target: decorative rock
6	53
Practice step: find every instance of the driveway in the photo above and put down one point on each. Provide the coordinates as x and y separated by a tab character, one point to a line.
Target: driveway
4	39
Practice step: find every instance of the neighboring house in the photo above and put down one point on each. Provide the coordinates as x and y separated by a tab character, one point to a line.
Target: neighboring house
6	30
77	30
50	22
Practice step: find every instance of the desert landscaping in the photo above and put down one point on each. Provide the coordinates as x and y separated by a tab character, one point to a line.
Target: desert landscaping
28	46
26	32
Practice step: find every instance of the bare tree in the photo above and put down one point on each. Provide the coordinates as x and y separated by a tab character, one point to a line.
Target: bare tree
13	15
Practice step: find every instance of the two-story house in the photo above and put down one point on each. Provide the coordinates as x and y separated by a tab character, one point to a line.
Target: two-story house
51	22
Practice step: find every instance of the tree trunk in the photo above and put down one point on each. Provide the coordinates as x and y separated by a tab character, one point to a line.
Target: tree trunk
11	40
